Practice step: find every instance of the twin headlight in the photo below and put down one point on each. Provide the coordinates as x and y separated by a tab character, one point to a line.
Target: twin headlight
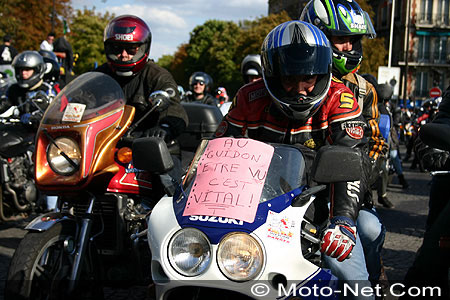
239	255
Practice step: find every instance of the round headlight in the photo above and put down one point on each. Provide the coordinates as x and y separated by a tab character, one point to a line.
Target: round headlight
60	164
190	252
240	256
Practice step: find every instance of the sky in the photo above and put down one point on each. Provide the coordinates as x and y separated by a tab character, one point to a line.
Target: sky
171	21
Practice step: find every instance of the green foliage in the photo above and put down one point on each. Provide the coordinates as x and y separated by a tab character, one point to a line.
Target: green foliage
374	51
211	49
29	21
86	38
165	61
254	33
374	55
218	47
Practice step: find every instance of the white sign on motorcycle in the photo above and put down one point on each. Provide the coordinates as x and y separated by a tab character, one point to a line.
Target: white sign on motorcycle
280	227
73	112
222	188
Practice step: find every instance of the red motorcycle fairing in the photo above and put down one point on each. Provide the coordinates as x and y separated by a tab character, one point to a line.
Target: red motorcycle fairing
129	180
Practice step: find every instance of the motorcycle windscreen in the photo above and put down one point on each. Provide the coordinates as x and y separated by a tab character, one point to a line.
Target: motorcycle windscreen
88	96
286	171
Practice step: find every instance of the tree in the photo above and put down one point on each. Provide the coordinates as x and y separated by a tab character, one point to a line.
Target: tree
254	33
29	21
374	51
218	47
176	64
211	49
86	38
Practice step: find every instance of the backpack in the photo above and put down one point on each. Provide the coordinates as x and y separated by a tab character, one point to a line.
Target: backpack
385	126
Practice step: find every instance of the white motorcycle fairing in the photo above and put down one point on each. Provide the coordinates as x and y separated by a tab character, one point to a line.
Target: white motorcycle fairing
277	227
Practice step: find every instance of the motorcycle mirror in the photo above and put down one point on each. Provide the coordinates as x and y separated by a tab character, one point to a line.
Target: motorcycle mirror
16	112
151	154
48	67
337	164
160	100
436	135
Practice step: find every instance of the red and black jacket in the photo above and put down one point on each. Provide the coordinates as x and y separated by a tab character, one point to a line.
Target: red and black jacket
253	114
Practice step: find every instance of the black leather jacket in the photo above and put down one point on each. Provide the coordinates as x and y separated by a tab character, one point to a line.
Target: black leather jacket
137	88
206	99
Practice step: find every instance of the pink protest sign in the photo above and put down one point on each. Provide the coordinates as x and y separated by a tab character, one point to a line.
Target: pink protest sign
230	179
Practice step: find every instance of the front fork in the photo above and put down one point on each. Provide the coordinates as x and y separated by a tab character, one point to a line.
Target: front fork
83	240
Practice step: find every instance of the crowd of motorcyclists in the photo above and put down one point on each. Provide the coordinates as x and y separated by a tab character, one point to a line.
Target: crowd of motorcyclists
303	88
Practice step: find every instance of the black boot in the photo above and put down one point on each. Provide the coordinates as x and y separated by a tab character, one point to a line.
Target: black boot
385	202
403	182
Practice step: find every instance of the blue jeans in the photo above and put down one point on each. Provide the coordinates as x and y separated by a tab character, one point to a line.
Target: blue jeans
395	160
365	257
372	233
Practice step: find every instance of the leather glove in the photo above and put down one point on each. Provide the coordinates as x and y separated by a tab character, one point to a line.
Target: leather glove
162	131
432	159
339	238
25	118
435	159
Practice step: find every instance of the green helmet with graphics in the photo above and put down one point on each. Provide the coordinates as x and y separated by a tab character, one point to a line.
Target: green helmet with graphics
341	18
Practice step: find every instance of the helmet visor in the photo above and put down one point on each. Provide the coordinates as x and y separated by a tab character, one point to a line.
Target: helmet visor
370	30
300	59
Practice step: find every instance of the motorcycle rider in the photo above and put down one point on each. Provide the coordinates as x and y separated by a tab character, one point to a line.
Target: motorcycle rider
52	72
345	35
251	68
7	54
200	85
127	40
431	264
29	69
299	102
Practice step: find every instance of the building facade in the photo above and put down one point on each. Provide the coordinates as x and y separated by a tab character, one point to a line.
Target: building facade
420	42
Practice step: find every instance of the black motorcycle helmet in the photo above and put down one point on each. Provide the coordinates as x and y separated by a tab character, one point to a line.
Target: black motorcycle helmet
29	60
201	77
52	71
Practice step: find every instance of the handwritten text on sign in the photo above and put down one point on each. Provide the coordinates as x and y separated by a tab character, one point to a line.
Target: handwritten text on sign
230	179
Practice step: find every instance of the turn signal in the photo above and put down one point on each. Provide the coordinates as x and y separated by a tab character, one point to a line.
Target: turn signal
124	155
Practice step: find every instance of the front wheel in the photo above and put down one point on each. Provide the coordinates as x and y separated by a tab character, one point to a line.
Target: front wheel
41	265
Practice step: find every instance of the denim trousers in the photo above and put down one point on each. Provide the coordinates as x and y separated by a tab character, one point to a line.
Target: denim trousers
364	265
396	162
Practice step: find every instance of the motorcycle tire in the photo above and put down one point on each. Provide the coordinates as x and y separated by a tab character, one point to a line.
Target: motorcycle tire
41	266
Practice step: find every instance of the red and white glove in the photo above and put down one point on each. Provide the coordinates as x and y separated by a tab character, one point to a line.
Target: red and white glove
339	238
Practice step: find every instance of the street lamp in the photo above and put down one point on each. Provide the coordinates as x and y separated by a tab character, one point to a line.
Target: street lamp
405	82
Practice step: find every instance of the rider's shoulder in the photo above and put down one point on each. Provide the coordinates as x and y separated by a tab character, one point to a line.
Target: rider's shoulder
254	91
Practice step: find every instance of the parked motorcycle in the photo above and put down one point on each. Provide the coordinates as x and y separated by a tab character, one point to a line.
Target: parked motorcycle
18	194
97	235
241	223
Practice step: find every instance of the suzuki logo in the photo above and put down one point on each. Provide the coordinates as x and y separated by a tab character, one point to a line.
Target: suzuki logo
214	219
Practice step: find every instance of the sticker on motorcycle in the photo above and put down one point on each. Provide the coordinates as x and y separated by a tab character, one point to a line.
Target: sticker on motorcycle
73	112
279	227
230	178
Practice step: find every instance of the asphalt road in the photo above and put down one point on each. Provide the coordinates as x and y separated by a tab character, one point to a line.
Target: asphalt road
404	223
